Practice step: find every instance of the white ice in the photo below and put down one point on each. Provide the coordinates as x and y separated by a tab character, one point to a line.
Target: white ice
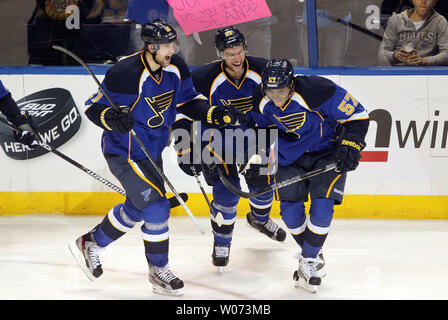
365	259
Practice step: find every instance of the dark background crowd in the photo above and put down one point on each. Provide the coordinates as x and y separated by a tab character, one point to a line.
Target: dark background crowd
350	32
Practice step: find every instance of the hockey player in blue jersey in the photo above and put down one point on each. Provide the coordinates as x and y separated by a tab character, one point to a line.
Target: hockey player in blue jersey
24	121
151	87
230	82
318	123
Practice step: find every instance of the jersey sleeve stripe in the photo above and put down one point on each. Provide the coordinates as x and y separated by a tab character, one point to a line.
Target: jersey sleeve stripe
357	116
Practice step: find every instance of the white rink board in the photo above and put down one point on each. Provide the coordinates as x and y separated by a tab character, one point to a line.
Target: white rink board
409	170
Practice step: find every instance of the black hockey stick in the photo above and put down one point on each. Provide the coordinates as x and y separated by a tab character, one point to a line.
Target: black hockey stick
274	186
173	201
63	156
142	146
202	190
357	28
194	133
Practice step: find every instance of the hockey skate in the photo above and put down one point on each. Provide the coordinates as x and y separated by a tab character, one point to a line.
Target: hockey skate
220	255
306	276
86	252
165	282
269	228
320	267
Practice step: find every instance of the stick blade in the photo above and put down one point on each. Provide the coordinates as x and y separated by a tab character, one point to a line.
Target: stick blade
174	202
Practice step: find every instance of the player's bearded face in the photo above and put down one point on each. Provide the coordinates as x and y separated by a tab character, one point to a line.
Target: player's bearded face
234	57
279	96
165	51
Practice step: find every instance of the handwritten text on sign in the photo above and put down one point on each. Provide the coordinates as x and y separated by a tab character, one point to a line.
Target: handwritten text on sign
199	15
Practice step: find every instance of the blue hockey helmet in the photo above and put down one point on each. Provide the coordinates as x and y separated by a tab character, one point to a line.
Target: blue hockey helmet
228	37
278	73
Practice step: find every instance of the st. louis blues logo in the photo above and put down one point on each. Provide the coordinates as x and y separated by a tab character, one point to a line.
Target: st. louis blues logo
159	104
146	194
242	104
292	122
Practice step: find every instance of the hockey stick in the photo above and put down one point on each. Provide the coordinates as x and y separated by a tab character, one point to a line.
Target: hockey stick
274	186
63	156
202	190
142	146
194	134
357	28
173	201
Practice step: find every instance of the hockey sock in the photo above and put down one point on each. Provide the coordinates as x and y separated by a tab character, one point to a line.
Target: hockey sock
223	226
224	206
293	214
318	225
156	233
115	224
260	206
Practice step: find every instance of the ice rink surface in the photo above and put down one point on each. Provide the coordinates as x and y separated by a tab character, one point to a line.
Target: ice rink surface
365	260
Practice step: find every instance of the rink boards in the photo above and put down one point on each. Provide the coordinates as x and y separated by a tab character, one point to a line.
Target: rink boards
403	173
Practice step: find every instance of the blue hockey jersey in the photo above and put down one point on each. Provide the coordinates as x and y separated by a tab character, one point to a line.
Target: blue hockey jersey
310	120
154	103
213	82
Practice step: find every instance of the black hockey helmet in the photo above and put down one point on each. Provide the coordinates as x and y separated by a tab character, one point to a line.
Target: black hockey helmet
158	32
228	37
278	73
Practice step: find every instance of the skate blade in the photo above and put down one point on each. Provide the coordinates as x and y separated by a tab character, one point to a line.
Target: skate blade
220	270
159	290
301	283
80	260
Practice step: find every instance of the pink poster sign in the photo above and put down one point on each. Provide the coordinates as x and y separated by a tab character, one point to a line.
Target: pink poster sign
199	15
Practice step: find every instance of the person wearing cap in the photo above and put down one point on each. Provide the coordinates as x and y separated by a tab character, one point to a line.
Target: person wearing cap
150	87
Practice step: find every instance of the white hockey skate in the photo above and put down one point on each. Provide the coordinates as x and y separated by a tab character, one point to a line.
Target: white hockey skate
306	276
164	281
320	268
86	252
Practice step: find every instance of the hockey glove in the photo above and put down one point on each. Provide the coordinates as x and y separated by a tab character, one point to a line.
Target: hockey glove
29	135
348	152
184	149
223	116
185	161
121	121
252	168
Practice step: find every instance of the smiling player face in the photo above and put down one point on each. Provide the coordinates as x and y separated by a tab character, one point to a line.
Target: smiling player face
234	59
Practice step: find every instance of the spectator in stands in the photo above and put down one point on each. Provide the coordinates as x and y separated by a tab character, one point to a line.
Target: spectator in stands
390	7
417	37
